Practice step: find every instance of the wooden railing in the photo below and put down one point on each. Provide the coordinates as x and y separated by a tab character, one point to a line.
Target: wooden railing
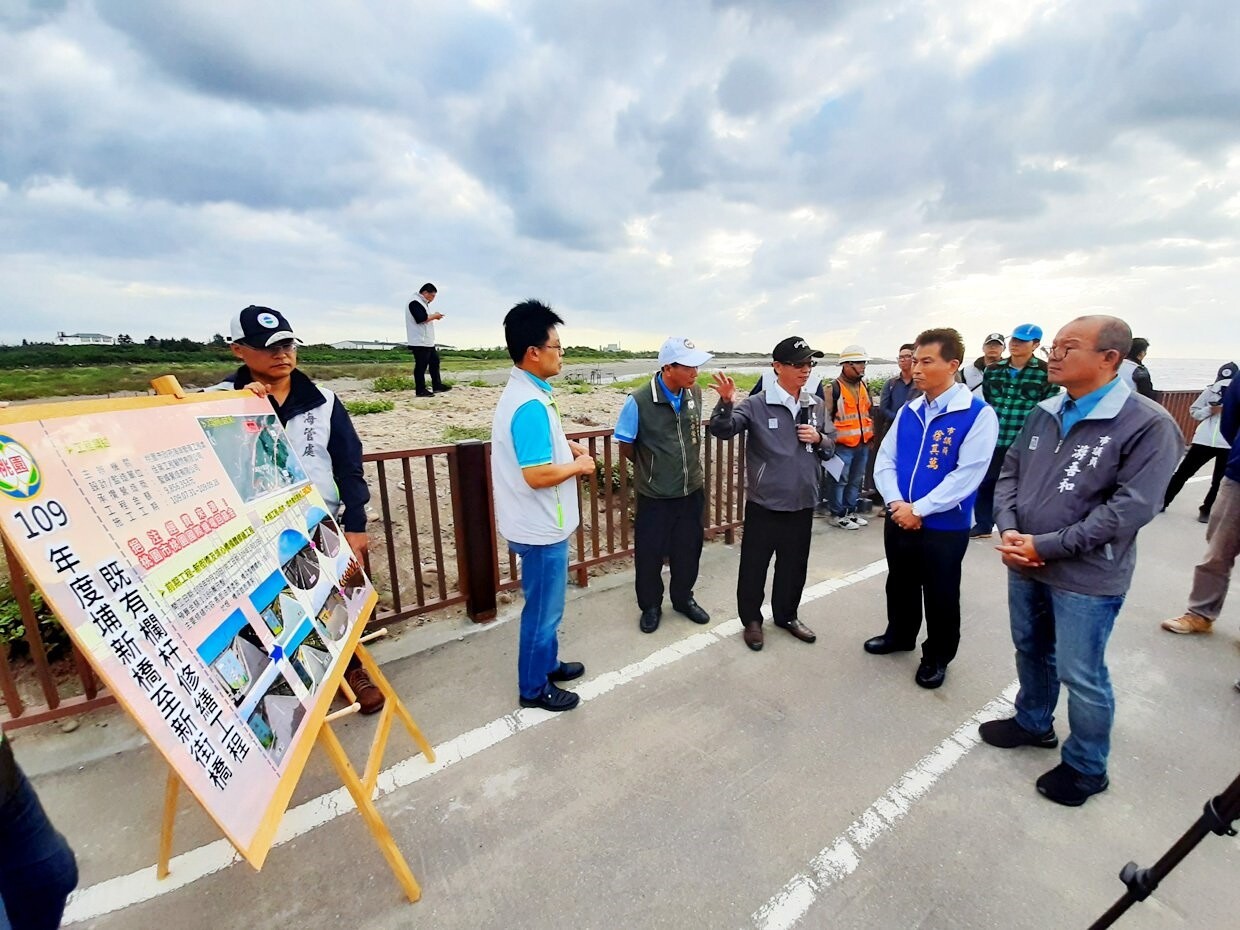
433	546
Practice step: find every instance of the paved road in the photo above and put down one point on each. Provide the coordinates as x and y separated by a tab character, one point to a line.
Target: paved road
702	785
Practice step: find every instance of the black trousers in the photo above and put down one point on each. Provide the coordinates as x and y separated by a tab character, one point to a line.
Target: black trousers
425	357
667	528
784	534
984	507
1194	458
924	566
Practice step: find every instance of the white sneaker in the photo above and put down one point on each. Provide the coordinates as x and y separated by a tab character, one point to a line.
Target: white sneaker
844	523
857	519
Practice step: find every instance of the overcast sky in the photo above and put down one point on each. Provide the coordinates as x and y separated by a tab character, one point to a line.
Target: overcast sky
734	171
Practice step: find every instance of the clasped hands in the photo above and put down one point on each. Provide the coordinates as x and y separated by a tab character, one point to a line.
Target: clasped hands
1018	550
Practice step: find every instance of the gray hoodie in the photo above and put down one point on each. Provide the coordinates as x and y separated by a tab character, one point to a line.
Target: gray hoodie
1084	496
780	473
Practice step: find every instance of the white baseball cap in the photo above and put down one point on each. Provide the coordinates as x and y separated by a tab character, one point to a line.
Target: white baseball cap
681	351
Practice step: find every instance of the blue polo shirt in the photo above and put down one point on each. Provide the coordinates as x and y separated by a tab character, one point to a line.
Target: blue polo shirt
1073	411
531	431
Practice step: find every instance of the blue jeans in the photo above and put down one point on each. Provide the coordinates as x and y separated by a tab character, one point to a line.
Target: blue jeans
1061	636
845	492
37	868
544	578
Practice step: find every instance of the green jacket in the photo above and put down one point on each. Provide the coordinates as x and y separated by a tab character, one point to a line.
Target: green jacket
667	461
1013	396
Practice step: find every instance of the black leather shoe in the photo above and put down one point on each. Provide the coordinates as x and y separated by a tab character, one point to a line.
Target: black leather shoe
797	629
424	393
567	672
693	610
440	388
553	699
881	646
930	674
650	619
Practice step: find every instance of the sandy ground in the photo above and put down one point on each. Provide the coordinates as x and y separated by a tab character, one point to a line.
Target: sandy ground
424	421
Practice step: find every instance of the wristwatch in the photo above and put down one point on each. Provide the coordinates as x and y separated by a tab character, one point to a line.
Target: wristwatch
913	510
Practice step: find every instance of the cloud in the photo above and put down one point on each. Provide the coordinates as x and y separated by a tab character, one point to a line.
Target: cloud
861	168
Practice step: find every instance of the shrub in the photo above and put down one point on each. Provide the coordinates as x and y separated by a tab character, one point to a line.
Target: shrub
359	408
601	474
13	632
457	433
388	383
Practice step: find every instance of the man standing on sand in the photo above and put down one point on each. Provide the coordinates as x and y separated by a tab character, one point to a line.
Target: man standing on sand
1086	472
534	473
788	437
928	470
420	334
660	432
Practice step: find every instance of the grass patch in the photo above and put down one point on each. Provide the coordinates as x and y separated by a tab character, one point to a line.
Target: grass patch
359	408
478	382
744	382
457	433
389	383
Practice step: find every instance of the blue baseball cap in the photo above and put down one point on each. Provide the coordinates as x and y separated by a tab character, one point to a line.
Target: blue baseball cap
1027	332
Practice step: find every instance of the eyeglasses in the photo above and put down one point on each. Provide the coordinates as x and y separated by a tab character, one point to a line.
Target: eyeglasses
801	366
904	358
280	348
553	345
858	364
1059	353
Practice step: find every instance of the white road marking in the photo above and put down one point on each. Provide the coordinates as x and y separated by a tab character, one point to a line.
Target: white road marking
126	890
842	856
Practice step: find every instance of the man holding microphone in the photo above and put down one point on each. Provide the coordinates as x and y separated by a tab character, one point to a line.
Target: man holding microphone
789	437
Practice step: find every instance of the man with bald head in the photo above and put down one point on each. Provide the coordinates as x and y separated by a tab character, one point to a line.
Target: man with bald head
1085	473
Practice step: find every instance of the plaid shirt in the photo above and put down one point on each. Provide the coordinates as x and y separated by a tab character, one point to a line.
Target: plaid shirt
1013	396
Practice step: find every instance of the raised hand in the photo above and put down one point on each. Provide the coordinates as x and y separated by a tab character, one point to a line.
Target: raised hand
724	386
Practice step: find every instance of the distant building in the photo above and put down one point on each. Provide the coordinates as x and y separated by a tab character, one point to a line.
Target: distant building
610	347
368	345
84	339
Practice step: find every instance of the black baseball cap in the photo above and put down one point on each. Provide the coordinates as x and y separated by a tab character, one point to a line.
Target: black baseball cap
261	327
793	351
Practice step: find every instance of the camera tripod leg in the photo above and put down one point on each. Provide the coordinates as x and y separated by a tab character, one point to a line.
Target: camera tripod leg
1218	816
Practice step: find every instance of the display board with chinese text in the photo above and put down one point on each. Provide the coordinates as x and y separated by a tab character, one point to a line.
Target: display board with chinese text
185	550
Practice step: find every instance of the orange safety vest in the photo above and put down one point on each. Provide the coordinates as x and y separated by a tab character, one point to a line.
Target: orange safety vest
853	425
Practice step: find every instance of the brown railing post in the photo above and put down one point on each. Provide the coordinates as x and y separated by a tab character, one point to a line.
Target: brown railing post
472	510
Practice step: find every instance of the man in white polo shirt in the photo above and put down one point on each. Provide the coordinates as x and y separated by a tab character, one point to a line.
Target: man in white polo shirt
534	473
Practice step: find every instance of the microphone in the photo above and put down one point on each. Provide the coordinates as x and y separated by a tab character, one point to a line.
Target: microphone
805	416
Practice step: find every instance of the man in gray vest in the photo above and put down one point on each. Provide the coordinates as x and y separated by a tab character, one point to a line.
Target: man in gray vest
660	431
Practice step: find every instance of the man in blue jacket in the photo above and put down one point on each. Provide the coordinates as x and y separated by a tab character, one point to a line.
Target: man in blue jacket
1086	472
928	469
37	867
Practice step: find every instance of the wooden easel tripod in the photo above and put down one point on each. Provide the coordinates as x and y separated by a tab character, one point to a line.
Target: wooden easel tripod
361	788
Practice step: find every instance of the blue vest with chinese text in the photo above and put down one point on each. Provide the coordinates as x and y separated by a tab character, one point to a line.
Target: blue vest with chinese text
926	453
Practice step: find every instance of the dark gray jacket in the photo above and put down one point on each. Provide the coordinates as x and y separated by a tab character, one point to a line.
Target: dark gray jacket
779	473
1084	496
